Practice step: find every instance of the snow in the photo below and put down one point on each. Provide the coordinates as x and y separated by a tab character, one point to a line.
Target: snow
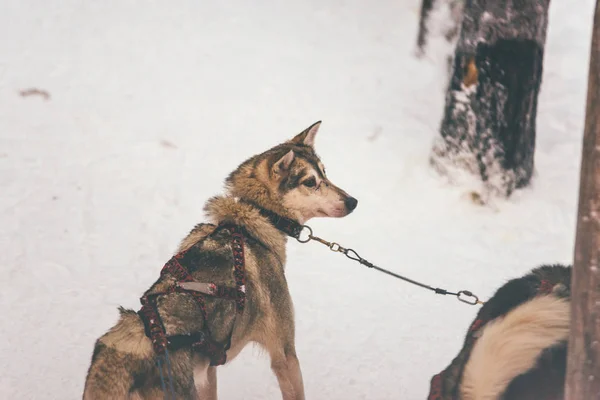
154	103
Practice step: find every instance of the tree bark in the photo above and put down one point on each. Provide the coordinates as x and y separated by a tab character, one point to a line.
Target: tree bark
451	11
583	367
426	6
488	128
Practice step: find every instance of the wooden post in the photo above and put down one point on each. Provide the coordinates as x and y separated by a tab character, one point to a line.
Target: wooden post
583	366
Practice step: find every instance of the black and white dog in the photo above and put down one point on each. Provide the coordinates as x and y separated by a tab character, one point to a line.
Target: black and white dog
516	349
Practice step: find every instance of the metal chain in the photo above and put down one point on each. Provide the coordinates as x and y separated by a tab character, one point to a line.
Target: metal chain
465	296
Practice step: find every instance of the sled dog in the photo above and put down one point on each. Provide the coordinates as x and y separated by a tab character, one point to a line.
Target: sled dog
224	288
516	349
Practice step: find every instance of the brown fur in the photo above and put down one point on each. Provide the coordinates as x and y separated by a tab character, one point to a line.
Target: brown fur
123	365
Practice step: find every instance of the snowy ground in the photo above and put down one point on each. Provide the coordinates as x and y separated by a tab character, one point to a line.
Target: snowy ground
153	103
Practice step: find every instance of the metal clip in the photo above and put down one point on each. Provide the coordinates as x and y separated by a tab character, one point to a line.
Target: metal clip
309	237
467	297
336	247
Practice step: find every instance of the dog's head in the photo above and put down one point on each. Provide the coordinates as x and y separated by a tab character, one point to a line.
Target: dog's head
290	179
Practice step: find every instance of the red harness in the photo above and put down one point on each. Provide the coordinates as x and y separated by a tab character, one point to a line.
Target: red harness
200	341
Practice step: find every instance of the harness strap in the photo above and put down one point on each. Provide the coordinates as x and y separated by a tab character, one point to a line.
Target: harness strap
239	272
200	341
153	324
211	289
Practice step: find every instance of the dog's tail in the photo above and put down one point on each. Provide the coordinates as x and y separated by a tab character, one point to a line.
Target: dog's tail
510	346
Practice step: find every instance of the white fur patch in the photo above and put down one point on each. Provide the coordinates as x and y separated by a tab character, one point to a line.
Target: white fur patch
322	203
510	346
201	375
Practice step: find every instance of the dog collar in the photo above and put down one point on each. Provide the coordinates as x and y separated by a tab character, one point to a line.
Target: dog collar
286	225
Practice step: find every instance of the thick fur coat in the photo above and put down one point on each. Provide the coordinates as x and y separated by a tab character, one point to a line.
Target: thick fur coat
516	347
288	180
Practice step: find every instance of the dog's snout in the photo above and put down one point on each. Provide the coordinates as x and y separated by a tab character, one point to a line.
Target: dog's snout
350	203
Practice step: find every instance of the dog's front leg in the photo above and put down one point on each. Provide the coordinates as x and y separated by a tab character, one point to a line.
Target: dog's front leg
286	367
205	379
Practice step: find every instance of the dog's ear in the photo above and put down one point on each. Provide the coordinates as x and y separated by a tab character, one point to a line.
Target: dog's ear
283	164
307	137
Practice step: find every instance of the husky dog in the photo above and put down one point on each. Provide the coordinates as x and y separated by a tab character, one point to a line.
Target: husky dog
285	183
516	349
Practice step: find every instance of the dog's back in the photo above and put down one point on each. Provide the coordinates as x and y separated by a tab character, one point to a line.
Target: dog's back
516	347
512	345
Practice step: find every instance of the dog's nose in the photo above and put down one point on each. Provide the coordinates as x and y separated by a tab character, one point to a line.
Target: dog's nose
350	203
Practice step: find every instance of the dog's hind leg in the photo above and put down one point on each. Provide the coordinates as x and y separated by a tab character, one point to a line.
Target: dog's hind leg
109	376
125	348
286	367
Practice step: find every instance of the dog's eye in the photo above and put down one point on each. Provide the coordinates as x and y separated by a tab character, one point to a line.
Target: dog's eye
310	182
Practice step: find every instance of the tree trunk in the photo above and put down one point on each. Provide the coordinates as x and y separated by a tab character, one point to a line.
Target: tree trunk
426	6
488	127
583	367
449	18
